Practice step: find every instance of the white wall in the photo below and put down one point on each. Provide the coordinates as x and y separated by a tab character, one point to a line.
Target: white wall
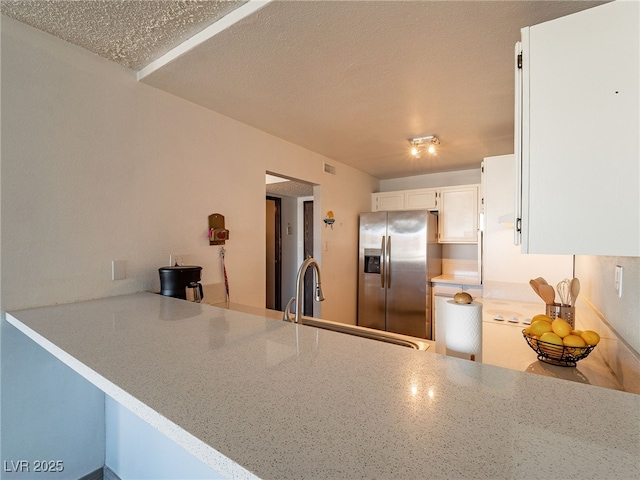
49	412
97	167
160	458
430	180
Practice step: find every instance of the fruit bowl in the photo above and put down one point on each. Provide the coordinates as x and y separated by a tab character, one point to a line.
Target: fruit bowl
560	355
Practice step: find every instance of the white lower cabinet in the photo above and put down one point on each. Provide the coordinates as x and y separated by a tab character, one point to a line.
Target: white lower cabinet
458	214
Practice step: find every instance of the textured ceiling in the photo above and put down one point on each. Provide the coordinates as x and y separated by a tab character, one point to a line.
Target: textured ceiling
132	32
351	80
290	189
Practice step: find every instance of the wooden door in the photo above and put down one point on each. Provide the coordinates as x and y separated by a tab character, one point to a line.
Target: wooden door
273	254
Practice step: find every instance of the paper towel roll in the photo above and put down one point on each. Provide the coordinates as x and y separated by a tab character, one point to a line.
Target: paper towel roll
463	326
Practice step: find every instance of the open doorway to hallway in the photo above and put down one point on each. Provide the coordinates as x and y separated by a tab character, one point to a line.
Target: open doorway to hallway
289	239
274	252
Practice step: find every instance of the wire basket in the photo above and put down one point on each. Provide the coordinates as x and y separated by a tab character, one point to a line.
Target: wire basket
560	355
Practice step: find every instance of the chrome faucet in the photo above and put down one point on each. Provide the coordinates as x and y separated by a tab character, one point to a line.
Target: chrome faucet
298	299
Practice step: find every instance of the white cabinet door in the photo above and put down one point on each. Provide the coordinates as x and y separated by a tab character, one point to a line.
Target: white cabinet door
418	199
424	199
385	201
579	133
458	217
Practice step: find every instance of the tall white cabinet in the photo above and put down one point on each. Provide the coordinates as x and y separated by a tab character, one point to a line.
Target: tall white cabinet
577	133
458	212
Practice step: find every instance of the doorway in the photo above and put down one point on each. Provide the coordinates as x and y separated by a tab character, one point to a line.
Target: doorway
274	253
289	239
307	216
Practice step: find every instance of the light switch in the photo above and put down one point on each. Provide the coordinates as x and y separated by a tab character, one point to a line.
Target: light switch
118	269
618	280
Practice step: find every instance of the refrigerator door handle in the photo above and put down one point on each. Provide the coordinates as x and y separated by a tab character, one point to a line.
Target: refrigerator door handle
382	259
389	261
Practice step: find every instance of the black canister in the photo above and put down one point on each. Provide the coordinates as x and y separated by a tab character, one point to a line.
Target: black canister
175	280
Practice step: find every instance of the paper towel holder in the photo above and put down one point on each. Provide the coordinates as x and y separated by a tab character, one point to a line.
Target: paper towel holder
464	321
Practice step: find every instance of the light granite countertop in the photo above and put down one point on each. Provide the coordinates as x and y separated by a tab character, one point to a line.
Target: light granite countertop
448	278
253	396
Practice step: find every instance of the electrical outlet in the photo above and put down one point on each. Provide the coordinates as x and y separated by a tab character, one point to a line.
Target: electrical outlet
177	259
618	280
118	270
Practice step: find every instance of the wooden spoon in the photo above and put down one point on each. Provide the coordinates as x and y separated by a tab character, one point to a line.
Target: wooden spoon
574	290
534	286
548	294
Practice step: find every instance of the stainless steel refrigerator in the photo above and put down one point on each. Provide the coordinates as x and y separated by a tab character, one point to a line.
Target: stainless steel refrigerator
399	254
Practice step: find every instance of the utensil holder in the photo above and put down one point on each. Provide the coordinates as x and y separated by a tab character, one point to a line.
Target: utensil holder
565	312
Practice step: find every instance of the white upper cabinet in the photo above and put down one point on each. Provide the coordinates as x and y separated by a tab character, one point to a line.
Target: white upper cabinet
421	199
418	199
458	214
385	201
577	133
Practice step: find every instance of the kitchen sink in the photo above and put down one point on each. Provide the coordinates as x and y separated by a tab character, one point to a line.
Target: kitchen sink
387	337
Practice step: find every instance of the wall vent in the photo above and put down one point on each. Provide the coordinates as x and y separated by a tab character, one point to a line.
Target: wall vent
329	169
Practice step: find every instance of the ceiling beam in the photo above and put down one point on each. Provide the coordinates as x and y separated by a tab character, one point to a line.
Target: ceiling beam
225	22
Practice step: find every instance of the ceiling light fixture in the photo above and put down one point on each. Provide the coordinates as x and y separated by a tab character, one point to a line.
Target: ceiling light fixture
428	143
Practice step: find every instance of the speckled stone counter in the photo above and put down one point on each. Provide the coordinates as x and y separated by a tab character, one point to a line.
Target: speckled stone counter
255	396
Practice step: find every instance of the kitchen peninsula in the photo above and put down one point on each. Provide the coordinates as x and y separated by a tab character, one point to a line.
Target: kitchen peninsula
256	397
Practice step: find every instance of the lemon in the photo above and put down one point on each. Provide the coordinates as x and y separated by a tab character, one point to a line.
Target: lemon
527	331
551	337
555	349
573	341
541	316
575	345
576	332
561	327
539	327
590	337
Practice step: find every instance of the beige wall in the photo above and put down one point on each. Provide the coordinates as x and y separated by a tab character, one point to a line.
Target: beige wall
97	167
431	180
597	285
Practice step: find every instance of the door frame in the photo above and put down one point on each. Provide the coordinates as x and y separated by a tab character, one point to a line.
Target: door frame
277	254
307	250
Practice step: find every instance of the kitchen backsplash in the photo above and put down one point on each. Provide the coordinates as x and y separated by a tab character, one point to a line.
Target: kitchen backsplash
520	292
460	259
597	275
